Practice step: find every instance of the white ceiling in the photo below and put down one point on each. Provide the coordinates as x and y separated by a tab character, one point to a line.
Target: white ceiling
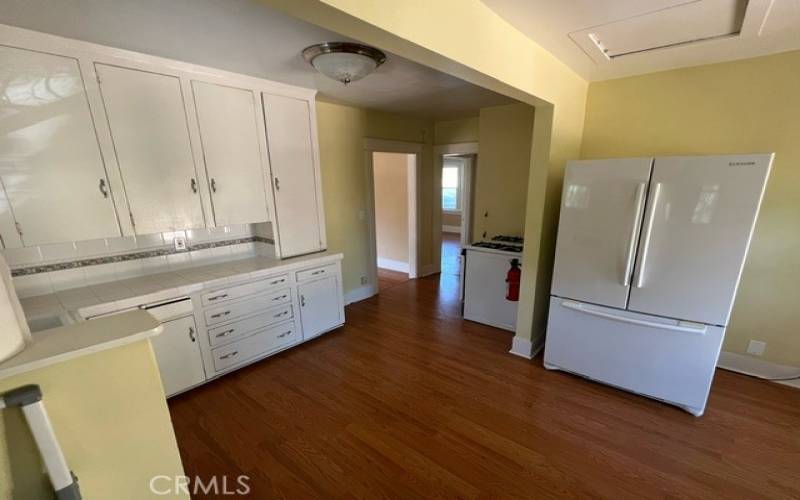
246	37
729	29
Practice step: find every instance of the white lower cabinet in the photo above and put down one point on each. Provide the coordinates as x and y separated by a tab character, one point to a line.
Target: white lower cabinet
178	355
320	305
254	346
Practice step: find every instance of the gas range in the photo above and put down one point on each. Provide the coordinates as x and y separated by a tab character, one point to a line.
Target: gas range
503	243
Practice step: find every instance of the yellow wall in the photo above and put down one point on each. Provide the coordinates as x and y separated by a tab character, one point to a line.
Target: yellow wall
109	413
455	131
747	106
342	130
477	45
391	205
501	178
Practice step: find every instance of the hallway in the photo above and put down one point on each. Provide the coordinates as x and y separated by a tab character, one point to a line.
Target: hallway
451	254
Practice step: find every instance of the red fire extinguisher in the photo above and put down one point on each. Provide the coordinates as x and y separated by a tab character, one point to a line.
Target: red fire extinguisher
513	278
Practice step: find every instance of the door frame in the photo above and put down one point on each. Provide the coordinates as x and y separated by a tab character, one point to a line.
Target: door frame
439	152
414	203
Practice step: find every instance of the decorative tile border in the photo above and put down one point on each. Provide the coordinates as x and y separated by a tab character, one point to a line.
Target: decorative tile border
144	254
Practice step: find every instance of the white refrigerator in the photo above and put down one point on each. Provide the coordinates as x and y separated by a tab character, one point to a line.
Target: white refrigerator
648	259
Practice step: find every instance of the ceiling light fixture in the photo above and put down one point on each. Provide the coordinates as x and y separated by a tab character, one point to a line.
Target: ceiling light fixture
344	61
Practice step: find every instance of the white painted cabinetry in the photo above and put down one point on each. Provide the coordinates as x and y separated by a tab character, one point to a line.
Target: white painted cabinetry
50	161
232	152
321	307
147	118
295	174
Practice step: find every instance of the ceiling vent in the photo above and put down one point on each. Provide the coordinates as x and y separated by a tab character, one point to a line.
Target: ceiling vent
681	25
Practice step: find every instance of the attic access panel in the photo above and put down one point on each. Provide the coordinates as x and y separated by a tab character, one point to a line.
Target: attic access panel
682	24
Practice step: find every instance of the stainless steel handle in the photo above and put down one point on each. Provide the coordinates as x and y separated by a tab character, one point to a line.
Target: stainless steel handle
277	184
191	334
103	188
214	185
219	315
229	355
648	233
302	300
637	220
217	297
225	333
682	326
193	184
284	334
280	298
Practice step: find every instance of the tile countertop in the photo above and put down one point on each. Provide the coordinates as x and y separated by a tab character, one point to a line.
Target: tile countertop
74	304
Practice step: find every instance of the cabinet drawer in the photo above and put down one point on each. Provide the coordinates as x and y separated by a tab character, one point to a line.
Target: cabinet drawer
317	272
253	346
256	304
223	334
236	292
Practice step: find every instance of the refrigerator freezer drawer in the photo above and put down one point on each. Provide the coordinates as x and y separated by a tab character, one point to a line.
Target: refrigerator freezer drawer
666	359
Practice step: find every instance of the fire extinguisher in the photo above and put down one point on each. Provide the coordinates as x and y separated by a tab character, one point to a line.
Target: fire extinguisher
513	278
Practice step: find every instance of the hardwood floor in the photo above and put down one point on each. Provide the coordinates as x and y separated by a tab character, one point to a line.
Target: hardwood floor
451	253
388	278
410	401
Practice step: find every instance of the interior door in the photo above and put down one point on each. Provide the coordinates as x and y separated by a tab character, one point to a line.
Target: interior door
293	174
601	211
178	355
231	148
700	217
50	159
147	118
320	309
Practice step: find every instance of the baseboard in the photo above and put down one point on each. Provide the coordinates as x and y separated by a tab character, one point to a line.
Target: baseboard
393	265
755	367
359	294
428	270
451	229
525	348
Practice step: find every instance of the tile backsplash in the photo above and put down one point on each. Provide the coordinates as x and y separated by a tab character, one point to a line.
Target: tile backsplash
92	262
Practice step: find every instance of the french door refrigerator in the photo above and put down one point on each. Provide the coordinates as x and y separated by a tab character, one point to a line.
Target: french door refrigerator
648	259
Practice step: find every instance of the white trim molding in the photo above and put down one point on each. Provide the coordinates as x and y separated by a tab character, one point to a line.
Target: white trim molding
359	294
451	229
393	265
759	368
526	348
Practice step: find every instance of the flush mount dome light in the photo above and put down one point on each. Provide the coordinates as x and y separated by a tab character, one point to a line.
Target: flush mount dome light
344	61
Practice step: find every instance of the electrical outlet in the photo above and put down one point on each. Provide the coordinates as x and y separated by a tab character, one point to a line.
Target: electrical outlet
179	242
756	347
362	214
364	280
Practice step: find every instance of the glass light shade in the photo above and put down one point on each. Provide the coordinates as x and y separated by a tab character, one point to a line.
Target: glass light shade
344	66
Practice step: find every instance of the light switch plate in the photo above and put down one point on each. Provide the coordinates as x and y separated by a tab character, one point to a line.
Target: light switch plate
756	347
179	242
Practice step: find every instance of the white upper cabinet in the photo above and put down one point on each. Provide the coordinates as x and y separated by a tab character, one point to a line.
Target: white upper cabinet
147	118
295	175
232	151
50	160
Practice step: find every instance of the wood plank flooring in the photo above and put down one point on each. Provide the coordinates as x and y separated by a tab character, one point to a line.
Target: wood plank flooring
409	401
388	278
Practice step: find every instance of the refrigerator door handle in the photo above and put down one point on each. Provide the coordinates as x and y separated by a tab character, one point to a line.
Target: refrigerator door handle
686	327
648	233
635	227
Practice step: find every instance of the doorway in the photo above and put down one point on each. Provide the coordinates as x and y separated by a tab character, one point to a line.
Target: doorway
392	174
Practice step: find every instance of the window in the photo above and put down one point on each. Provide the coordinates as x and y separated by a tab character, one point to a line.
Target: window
451	186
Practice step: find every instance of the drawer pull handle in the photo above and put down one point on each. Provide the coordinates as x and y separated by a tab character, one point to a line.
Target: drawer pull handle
284	334
276	282
302	301
280	298
217	297
229	355
191	334
282	313
320	271
219	315
225	333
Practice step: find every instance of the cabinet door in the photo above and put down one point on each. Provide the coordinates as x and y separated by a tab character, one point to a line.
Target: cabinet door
147	118
178	355
320	306
601	213
701	212
294	176
229	135
50	159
